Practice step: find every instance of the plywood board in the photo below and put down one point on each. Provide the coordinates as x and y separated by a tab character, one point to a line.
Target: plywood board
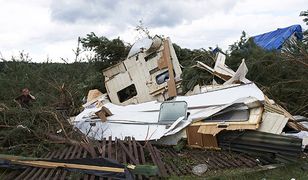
196	139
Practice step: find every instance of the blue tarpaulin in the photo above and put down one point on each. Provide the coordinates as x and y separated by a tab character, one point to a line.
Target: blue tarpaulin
275	39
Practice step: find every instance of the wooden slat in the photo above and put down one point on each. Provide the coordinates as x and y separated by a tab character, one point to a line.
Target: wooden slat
123	154
86	176
34	170
130	155
141	153
10	175
63	175
60	171
130	148
173	166
159	161
154	159
42	176
41	169
182	168
135	150
110	147
102	148
60	157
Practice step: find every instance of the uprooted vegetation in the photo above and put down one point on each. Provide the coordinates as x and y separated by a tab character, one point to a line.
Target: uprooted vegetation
282	75
33	132
58	88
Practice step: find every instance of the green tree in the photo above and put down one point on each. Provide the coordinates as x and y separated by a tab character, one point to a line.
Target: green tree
108	52
282	75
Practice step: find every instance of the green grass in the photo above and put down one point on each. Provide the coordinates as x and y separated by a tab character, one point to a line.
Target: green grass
297	171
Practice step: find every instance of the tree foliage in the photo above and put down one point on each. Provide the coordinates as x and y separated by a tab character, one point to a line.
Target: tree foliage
192	75
45	81
108	52
283	75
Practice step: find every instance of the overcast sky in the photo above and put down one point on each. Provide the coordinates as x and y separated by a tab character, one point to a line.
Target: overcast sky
45	28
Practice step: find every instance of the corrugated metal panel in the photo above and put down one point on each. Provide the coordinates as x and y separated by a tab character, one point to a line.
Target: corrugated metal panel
262	144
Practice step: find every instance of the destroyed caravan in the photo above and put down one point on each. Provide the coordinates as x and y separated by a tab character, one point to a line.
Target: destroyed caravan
143	78
150	75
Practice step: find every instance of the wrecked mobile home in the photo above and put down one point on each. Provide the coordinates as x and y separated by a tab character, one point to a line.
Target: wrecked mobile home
144	100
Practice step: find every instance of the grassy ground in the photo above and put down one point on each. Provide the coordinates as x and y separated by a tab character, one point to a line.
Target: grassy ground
297	171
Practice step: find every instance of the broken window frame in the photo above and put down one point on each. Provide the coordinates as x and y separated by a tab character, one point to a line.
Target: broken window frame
166	73
171	108
127	93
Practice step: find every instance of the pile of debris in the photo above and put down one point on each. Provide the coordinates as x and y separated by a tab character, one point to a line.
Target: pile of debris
144	100
145	109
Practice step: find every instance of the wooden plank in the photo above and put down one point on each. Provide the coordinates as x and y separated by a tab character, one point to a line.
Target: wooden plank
60	157
10	175
60	171
183	168
135	150
34	170
79	152
174	167
84	155
42	176
141	153
171	81
25	172
104	148
157	160
193	137
230	159
130	147
123	154
160	162
209	141
49	164
92	177
116	149
110	147
71	157
129	154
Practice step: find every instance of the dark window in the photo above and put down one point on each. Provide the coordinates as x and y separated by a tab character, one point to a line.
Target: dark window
127	93
163	77
231	116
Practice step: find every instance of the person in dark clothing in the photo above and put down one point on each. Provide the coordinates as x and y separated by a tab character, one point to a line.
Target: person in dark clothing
25	98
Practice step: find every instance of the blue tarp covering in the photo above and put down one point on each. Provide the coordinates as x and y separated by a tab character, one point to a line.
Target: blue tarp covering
275	39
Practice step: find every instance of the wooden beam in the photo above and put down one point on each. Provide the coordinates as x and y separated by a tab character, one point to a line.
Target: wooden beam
48	164
171	81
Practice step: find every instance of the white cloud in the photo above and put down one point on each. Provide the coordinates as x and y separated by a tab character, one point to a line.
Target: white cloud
51	28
